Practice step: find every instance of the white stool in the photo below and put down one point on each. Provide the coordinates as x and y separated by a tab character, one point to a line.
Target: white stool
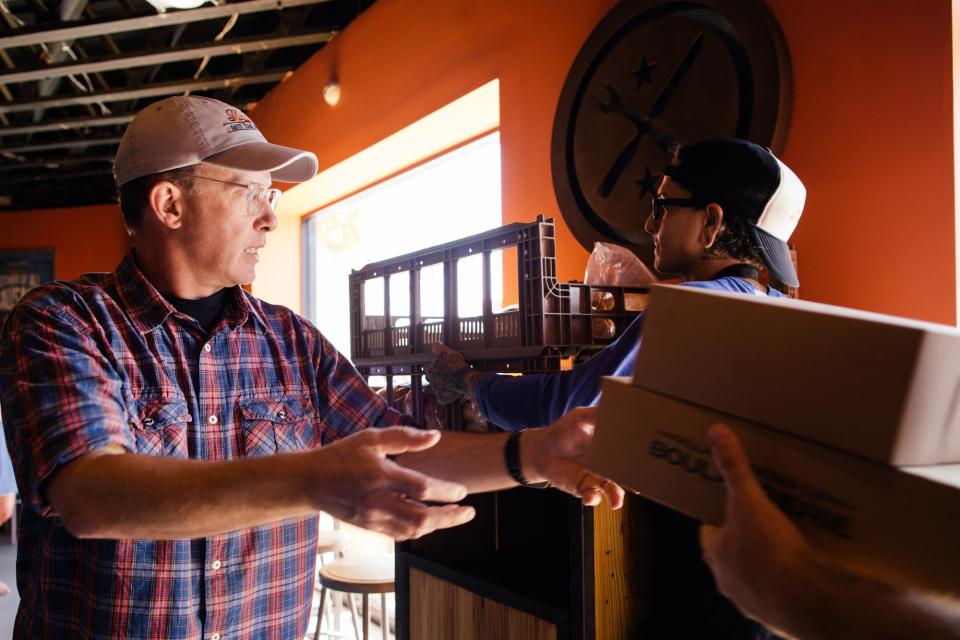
363	575
332	541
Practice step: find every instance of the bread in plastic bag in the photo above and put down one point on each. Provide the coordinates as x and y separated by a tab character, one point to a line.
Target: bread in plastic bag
616	266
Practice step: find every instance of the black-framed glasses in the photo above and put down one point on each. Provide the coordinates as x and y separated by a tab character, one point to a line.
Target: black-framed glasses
657	210
255	193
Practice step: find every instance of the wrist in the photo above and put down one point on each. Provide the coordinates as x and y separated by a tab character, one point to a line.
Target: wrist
796	590
307	474
519	471
530	456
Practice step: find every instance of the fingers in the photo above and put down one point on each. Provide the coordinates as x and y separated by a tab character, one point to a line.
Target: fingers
397	440
594	488
583	417
418	486
404	519
732	463
614	493
571	478
708	536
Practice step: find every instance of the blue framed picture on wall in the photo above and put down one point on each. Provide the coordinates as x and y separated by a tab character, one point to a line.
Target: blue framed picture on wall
21	271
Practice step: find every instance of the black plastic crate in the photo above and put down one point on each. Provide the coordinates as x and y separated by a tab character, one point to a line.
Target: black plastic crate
548	314
417	403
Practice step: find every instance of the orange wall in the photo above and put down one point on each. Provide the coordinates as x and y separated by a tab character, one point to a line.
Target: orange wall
872	137
403	59
873	105
872	114
84	239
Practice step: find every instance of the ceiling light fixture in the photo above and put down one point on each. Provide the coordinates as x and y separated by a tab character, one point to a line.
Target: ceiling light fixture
163	5
331	93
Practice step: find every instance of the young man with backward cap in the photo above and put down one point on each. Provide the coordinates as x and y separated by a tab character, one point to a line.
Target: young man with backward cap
724	211
726	208
174	437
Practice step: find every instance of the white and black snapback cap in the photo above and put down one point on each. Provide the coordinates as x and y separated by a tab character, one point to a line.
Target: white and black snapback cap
749	182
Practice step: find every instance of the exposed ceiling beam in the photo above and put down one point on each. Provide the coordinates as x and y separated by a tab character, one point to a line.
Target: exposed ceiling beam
66	125
70	10
53	164
5	184
103	27
66	144
151	91
245	45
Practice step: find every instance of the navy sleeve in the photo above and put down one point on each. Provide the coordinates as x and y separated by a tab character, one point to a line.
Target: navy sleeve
536	400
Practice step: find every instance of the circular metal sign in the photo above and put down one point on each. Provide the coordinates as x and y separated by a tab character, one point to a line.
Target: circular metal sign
653	75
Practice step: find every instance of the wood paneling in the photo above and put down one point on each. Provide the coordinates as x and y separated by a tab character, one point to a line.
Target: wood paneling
617	552
440	610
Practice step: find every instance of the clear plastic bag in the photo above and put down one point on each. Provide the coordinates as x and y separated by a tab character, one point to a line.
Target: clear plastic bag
613	265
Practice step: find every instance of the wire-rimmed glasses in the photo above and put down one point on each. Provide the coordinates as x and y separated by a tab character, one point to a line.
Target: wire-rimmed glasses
255	193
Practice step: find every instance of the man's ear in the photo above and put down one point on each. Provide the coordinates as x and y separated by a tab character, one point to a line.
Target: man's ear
712	225
167	203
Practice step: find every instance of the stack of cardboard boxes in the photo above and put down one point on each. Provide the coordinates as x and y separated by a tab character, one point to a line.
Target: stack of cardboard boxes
851	421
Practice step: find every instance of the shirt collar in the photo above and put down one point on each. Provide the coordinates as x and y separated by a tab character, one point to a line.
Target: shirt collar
148	309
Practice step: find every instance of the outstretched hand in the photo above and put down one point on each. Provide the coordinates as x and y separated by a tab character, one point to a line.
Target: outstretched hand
556	454
758	548
357	483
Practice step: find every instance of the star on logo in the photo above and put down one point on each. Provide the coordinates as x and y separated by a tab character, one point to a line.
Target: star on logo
649	183
645	74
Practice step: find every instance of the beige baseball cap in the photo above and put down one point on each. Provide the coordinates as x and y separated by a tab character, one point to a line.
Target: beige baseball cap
184	130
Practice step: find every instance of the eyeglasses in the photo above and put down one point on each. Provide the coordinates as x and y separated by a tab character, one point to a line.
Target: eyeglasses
256	193
657	209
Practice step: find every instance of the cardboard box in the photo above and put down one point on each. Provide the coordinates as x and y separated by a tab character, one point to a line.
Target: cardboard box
882	387
898	524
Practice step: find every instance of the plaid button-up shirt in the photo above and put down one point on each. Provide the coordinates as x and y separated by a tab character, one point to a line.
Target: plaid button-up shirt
107	360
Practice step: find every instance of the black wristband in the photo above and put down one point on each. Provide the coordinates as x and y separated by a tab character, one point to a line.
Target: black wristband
511	457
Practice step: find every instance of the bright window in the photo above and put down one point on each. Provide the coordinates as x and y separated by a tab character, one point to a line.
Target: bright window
452	196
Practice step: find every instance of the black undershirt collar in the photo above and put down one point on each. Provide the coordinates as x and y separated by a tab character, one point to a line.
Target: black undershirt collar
206	311
741	270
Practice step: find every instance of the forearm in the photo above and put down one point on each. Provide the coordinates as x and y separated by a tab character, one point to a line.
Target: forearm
474	460
826	601
521	402
540	399
133	496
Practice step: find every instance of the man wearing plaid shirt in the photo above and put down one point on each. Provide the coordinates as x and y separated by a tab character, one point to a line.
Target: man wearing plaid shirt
174	437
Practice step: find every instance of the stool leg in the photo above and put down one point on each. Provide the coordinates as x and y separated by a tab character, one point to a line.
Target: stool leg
384	621
366	616
337	607
323	602
353	617
317	585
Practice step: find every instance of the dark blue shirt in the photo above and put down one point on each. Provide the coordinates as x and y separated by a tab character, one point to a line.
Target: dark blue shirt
536	400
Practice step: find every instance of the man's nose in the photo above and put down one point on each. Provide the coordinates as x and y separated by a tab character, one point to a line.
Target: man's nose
267	220
651	225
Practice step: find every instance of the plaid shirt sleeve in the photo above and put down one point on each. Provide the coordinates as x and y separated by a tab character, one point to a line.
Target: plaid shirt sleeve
61	396
347	402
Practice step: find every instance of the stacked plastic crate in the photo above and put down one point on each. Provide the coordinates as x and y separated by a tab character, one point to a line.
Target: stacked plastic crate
392	339
532	551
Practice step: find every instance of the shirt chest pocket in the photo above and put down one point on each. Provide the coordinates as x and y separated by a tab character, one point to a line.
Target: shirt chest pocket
160	427
277	425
